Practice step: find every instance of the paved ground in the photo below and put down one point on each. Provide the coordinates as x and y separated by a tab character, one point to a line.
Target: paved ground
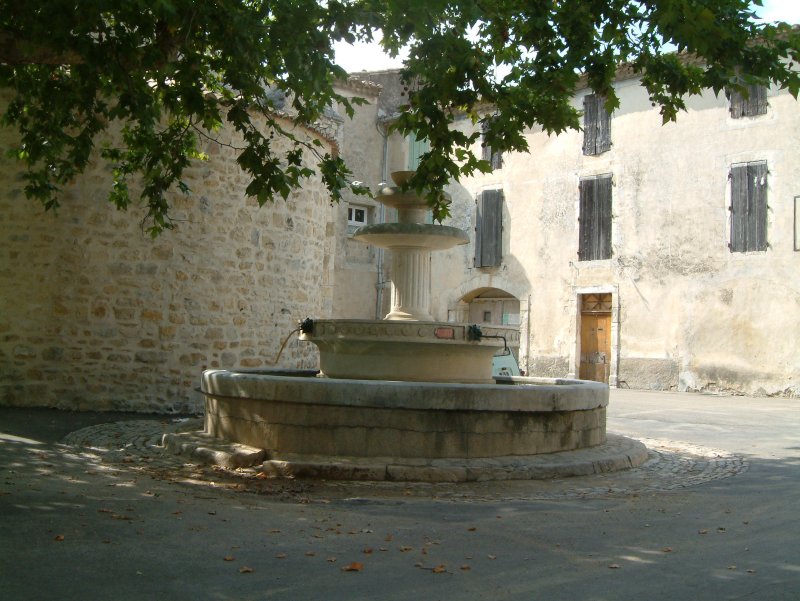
712	515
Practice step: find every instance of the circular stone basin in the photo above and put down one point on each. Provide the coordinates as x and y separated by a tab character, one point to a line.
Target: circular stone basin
412	235
295	415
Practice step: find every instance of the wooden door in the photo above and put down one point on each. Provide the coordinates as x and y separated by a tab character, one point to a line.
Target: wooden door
595	346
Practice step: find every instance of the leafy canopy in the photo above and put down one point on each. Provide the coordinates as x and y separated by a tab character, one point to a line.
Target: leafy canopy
171	72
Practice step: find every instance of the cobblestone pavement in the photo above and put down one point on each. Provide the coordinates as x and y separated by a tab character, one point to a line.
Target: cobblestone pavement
138	446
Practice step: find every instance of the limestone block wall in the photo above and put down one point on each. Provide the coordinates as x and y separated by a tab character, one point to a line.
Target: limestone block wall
357	265
94	314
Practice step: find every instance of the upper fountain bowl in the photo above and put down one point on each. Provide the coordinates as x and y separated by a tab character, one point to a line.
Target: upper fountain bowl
401	178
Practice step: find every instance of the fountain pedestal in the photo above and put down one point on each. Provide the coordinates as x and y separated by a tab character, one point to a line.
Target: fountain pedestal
408	344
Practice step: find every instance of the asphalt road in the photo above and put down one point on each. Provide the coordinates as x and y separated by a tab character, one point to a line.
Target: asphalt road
84	524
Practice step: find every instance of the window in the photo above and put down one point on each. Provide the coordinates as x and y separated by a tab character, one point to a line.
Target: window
489	229
750	103
494	157
748	207
596	125
356	215
594	238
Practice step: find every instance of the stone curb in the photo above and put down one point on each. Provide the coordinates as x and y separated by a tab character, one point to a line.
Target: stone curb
618	453
206	449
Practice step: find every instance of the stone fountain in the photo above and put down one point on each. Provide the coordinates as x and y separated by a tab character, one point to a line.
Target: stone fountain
410	398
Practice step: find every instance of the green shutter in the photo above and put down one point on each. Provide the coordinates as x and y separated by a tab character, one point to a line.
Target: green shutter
416	148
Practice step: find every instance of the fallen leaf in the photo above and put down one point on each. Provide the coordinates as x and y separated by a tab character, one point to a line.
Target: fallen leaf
59	537
367	550
310	554
262	475
731	567
614	566
492	556
405	549
667	550
703	531
751	571
720	529
383	548
228	558
473	529
103	510
280	556
331	560
212	513
353	567
245	570
274	531
441	568
465	567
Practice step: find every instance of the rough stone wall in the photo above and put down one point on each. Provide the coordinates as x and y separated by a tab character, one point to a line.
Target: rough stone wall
356	263
96	315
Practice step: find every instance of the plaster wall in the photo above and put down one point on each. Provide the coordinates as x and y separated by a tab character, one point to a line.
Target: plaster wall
689	314
94	314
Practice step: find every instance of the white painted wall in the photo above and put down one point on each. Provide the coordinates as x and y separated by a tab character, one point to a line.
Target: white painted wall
691	315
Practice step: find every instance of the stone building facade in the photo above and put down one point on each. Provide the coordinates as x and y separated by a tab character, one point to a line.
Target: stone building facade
94	314
668	296
644	290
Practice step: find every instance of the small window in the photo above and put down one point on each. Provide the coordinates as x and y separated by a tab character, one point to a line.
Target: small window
492	156
489	229
594	238
749	103
487	317
596	125
748	207
356	215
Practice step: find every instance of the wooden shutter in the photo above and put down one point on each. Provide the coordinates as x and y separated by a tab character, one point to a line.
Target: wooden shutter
486	150
738	179
495	158
589	125
757	206
596	125
748	207
755	102
594	232
489	229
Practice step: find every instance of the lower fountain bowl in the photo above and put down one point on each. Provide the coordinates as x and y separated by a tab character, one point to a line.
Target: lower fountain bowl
294	414
417	351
